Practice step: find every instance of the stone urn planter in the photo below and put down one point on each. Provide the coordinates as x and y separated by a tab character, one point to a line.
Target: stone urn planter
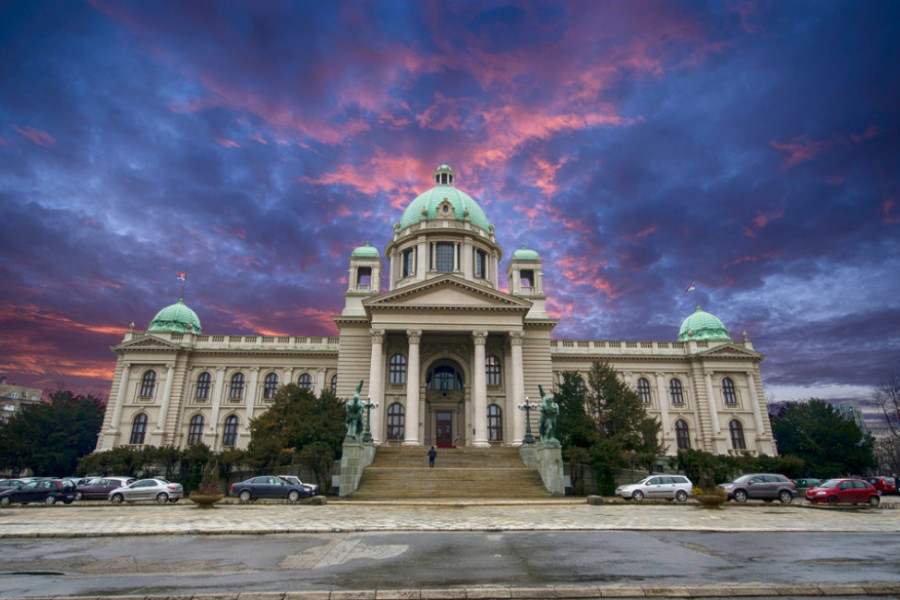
205	499
710	498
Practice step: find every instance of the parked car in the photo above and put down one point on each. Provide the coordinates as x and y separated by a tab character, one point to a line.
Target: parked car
296	481
853	491
268	486
805	482
678	487
48	491
147	489
8	484
761	486
99	488
885	485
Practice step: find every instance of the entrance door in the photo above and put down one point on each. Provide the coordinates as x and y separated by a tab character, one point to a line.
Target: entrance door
443	428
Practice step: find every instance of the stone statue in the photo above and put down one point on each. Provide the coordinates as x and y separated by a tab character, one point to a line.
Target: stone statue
547	423
355	415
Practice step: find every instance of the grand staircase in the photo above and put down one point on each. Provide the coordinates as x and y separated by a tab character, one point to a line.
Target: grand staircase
402	472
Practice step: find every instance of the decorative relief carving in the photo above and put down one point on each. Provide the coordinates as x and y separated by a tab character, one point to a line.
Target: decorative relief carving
377	335
414	335
516	338
480	337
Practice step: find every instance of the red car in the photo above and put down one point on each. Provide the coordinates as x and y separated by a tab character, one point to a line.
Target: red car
851	491
885	485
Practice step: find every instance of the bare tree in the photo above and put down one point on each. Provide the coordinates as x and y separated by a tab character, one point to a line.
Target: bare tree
887	396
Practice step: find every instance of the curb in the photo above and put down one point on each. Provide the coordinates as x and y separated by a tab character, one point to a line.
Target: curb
734	590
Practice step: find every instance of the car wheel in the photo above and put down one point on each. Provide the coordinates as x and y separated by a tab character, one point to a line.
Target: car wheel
637	496
293	496
785	497
245	496
162	497
5	501
79	496
117	499
874	501
68	500
832	499
173	500
681	496
740	496
50	500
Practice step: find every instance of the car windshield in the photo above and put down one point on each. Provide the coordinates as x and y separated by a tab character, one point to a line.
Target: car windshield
644	480
742	479
831	483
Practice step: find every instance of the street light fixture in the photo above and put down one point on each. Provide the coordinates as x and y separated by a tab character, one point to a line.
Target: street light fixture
528	407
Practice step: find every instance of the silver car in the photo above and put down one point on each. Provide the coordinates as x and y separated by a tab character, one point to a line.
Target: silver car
147	489
678	487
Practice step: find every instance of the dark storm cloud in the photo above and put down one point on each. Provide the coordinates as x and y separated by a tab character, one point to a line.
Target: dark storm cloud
750	146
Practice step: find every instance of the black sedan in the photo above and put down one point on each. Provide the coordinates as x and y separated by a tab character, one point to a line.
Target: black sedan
48	491
269	486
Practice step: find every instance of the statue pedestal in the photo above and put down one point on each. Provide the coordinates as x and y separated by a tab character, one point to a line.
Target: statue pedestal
355	457
546	457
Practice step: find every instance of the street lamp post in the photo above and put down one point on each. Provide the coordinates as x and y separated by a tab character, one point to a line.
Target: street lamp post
367	436
527	407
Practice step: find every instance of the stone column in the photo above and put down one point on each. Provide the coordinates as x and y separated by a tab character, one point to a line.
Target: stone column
517	385
288	376
167	394
251	396
320	382
123	390
713	410
412	389
479	391
663	395
376	382
218	399
754	399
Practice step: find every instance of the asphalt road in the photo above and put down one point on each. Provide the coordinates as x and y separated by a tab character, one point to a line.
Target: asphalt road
194	564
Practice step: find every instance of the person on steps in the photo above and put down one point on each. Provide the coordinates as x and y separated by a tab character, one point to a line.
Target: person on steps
431	455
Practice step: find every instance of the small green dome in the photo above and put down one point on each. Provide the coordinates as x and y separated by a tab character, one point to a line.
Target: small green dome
524	253
702	326
464	207
366	251
176	318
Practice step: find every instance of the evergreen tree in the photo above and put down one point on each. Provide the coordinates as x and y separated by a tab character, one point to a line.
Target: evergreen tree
827	442
50	437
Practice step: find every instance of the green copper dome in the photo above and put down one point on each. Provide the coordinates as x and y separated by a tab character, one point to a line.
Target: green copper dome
176	318
702	326
463	206
366	251
524	253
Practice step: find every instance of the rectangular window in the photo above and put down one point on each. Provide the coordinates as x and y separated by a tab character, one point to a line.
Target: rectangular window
480	264
526	280
364	278
409	262
444	257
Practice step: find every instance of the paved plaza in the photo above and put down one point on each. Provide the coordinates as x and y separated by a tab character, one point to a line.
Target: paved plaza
97	519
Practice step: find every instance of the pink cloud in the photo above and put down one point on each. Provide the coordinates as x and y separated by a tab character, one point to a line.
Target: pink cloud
750	258
226	143
871	132
887	208
801	149
39	137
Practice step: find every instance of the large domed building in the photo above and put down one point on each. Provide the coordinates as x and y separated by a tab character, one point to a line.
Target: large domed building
447	356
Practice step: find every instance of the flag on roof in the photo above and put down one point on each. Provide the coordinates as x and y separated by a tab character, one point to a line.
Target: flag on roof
690	288
182	277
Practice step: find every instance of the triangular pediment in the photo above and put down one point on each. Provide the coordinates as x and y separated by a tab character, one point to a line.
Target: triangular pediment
446	292
729	352
147	342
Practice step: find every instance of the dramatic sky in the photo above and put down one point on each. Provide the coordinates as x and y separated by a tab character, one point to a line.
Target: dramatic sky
753	147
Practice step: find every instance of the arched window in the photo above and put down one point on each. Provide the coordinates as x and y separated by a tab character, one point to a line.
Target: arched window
203	384
396	417
444	378
737	435
230	433
682	435
644	390
195	431
492	370
148	384
305	382
334	384
138	429
237	386
728	391
398	369
495	423
675	392
270	386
